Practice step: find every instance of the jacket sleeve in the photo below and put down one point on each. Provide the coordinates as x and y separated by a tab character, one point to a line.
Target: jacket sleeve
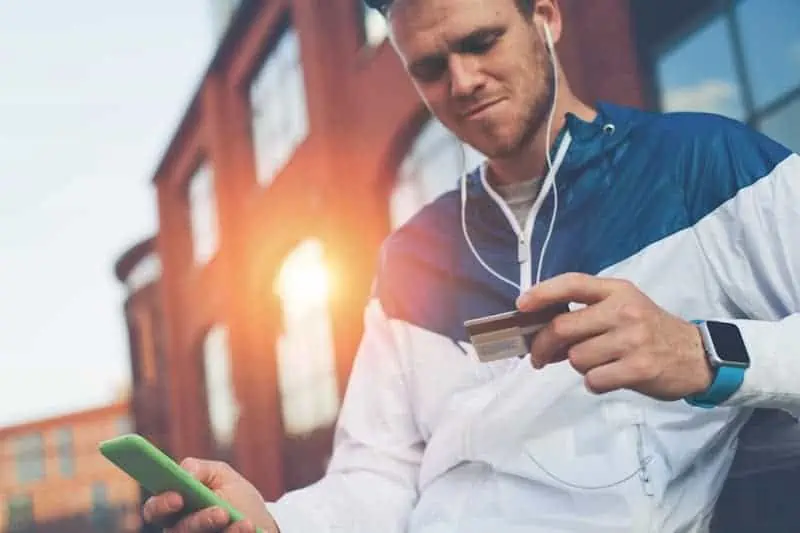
372	477
752	243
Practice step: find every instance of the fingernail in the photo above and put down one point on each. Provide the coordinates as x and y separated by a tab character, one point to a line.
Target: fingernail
218	516
173	501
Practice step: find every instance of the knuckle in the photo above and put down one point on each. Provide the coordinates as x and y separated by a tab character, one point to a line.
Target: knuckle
626	285
575	280
190	461
560	327
631	312
220	466
576	359
595	384
638	336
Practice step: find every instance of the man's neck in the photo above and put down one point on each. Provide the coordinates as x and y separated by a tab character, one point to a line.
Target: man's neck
531	160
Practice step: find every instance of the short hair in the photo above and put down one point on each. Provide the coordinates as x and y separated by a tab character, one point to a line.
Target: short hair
525	6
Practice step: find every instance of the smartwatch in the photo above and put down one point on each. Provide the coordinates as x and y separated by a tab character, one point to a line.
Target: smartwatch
727	355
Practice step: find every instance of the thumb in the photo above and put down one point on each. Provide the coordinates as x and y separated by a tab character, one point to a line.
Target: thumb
207	472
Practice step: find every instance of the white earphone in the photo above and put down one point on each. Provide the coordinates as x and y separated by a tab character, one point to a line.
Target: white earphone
550	179
548	37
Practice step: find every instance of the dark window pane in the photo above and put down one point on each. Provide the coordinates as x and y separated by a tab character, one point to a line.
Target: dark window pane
699	74
30	458
771	40
280	115
102	517
784	125
20	513
64	448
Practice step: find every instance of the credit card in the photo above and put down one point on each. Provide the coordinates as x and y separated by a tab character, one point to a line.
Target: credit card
508	334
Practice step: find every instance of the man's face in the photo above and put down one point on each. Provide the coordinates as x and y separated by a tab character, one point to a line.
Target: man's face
481	66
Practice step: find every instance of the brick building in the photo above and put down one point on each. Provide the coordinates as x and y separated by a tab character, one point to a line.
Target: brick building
52	478
303	146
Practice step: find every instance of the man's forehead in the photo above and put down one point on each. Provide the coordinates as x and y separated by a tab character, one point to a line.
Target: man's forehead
421	24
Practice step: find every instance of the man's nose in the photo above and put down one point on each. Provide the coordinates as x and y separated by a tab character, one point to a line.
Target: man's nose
465	76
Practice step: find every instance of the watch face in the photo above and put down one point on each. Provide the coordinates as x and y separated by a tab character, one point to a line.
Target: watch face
728	343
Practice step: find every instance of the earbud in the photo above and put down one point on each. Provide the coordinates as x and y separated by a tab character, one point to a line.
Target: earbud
548	37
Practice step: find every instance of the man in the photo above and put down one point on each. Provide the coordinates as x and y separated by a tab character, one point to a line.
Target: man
625	415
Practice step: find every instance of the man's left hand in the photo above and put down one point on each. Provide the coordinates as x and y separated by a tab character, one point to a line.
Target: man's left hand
620	340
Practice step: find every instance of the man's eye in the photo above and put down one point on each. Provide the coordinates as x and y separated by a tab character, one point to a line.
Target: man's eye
429	71
479	44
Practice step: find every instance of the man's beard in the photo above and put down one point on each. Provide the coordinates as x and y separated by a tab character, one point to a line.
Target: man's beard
533	122
535	118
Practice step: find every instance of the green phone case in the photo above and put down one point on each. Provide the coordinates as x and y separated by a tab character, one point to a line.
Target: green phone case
157	473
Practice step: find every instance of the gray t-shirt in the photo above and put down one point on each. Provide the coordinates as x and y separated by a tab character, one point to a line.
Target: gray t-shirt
520	197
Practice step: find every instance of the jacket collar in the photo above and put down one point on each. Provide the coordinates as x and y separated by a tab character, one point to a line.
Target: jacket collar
591	141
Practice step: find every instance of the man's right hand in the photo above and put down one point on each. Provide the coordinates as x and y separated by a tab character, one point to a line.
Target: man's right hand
164	509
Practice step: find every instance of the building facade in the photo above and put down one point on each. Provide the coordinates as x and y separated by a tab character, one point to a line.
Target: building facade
304	146
52	478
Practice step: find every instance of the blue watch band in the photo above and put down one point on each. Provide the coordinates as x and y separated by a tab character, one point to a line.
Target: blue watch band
728	379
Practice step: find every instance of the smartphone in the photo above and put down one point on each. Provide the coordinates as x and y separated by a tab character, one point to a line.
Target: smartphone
157	473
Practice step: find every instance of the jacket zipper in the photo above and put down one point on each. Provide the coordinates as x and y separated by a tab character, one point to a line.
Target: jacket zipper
523	237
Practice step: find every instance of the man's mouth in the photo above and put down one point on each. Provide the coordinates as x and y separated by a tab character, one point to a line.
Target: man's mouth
474	111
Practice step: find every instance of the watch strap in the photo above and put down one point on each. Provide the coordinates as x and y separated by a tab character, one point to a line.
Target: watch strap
727	381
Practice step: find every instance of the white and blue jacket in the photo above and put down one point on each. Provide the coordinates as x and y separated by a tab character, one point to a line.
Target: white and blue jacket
700	212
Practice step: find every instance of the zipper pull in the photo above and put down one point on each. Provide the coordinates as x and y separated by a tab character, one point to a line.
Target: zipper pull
523	252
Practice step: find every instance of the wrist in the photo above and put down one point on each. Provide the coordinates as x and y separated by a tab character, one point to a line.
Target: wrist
704	371
727	357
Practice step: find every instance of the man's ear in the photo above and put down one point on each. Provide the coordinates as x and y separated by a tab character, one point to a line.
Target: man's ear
547	15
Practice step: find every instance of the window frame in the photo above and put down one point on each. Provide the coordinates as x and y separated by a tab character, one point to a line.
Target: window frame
263	178
25	454
65	451
754	115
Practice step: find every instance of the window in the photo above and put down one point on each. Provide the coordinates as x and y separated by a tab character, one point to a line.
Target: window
373	24
30	458
434	165
203	214
223	409
102	518
700	74
123	425
783	125
770	34
146	271
20	513
66	452
306	362
743	63
278	105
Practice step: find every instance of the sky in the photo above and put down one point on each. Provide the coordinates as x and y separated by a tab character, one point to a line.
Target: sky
91	92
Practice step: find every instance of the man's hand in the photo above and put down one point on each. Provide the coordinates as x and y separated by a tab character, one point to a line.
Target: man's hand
164	509
621	339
